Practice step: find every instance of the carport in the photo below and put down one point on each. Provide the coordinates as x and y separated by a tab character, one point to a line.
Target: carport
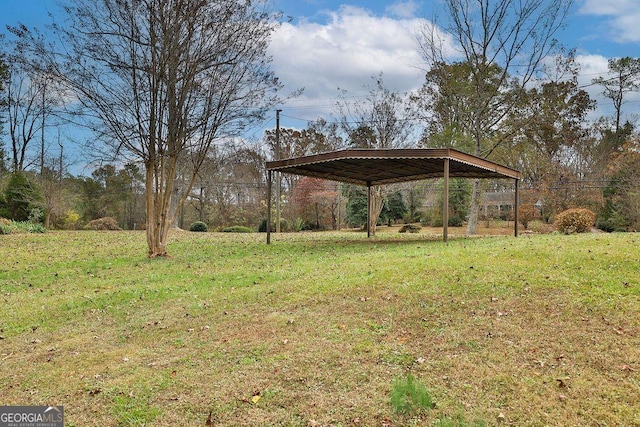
371	167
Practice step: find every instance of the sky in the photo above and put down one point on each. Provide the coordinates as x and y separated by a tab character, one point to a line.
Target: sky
329	45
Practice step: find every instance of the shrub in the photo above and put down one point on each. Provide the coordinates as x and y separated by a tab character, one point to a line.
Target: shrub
36	228
298	225
20	197
106	223
6	226
70	220
237	229
454	221
409	396
10	227
410	228
35	215
538	226
199	227
579	220
284	226
526	213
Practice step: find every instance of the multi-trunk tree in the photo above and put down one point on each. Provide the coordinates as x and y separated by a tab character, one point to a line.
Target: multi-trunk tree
159	81
382	119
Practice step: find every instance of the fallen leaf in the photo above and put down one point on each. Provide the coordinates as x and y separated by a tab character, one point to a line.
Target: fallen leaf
255	399
209	422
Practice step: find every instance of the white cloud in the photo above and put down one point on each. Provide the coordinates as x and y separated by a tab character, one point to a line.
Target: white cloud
622	17
345	52
609	7
403	9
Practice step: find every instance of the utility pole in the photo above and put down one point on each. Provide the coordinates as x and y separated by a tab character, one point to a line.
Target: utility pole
61	148
278	177
42	134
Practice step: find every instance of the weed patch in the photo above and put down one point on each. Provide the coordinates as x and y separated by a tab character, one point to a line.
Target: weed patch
408	396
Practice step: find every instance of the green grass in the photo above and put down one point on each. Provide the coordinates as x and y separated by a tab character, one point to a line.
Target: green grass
408	396
315	328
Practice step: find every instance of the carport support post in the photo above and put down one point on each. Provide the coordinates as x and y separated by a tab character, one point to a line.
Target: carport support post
268	207
368	209
515	213
445	207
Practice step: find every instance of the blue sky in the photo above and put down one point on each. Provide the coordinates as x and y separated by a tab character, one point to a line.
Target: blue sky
331	44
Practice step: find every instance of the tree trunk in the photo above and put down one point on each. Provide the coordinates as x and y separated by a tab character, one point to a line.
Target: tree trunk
472	224
376	202
158	203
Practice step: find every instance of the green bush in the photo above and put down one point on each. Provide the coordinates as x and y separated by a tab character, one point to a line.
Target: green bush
410	228
199	227
579	220
10	227
237	229
409	396
20	197
36	228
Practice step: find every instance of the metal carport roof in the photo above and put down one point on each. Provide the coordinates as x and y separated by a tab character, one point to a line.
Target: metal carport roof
370	167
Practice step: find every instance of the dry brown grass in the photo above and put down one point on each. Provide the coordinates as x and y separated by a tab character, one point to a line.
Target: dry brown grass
313	329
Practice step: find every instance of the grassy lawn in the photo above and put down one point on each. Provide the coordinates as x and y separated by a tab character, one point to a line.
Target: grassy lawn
316	329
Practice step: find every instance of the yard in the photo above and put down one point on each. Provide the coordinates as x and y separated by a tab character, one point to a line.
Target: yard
315	329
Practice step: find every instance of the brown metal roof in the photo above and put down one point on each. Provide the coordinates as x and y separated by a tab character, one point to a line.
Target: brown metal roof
386	166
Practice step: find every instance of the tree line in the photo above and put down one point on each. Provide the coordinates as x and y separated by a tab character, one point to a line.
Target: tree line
167	88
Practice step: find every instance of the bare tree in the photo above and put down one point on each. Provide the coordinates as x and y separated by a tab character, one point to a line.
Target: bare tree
383	119
160	80
501	42
30	103
4	73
